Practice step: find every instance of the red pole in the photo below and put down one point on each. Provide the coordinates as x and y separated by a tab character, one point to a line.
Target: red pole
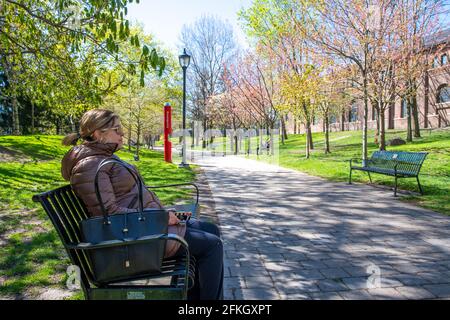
167	132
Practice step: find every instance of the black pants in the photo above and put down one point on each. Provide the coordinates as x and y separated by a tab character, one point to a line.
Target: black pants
206	246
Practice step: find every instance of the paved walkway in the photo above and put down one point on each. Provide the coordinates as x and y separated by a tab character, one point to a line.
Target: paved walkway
288	235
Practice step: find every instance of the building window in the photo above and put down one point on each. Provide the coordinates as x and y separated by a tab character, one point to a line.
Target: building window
404	108
374	114
443	95
332	118
444	59
435	62
353	114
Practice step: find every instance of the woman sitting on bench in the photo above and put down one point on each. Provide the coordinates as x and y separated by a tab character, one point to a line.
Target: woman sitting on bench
102	136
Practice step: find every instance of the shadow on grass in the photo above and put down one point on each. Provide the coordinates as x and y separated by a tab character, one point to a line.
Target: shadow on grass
35	147
30	262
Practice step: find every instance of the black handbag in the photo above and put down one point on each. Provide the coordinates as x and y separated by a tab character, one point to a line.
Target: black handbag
125	261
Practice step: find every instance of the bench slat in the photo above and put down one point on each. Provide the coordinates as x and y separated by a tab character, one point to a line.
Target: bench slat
399	164
409	163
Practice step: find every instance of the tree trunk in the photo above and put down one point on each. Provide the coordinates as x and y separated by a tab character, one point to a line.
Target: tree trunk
284	135
16	123
129	125
327	134
72	123
343	121
309	138
271	141
32	117
58	126
138	139
203	136
415	116
308	128
260	147
409	121
377	118
364	139
382	131
15	104
129	136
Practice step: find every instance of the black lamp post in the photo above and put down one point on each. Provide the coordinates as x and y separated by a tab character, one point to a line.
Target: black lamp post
184	59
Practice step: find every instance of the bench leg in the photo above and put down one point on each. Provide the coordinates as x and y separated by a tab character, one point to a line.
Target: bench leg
395	188
370	178
420	187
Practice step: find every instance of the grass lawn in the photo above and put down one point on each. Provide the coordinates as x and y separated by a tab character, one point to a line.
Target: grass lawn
434	175
32	259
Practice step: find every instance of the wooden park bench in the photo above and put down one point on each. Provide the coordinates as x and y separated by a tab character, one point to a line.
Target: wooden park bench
66	211
398	164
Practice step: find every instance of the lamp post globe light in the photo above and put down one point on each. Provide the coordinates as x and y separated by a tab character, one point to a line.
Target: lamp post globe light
184	59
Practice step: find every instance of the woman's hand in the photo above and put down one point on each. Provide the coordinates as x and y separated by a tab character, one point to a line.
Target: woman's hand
173	220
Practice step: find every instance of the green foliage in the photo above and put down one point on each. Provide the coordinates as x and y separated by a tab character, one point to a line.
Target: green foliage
65	56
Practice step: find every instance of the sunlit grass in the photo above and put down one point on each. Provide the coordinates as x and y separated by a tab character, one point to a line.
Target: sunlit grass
434	175
32	256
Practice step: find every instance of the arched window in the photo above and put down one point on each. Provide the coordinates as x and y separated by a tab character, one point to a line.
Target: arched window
374	113
353	113
404	108
435	62
444	59
332	118
443	94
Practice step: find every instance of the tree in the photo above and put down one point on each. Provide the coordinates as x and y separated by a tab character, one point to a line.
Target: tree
211	44
333	98
300	93
417	20
345	30
56	32
141	107
280	32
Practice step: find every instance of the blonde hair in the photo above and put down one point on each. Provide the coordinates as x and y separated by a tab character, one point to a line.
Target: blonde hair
92	120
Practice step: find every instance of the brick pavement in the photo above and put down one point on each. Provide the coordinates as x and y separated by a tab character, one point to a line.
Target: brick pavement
288	235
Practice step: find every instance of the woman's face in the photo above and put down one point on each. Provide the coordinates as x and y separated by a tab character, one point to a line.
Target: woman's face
113	134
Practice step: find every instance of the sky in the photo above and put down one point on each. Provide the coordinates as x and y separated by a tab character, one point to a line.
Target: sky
165	18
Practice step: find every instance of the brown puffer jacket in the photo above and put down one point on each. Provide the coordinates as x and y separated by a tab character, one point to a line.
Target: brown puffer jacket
117	187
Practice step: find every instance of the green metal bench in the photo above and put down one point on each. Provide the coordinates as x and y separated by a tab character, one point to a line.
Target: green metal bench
398	164
66	210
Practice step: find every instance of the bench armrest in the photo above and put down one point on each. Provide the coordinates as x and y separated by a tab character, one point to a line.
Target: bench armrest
356	160
176	185
117	243
126	242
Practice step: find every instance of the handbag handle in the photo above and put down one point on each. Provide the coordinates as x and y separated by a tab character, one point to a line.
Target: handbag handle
136	178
